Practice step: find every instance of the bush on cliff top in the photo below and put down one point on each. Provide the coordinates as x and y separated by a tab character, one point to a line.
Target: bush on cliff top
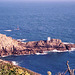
9	69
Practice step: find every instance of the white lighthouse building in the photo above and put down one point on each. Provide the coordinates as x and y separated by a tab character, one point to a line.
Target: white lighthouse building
48	39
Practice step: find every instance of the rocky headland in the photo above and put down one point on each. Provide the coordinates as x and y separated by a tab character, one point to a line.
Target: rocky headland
9	46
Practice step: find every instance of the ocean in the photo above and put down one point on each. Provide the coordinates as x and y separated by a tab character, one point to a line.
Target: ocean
37	21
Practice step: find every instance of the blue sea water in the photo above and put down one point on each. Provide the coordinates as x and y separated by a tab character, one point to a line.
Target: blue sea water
37	21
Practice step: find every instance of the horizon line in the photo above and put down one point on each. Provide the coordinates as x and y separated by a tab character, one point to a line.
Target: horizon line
37	1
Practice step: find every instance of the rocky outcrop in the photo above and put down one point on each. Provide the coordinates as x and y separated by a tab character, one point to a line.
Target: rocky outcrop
40	46
9	46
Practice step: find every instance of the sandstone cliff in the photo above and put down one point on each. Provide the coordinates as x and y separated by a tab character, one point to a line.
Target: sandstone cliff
9	46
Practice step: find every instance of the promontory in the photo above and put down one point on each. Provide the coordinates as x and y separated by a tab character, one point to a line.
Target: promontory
9	46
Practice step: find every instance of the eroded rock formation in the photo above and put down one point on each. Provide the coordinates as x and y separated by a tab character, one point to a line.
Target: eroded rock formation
9	46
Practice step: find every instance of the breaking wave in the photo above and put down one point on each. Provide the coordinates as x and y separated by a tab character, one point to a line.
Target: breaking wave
68	43
41	53
8	30
14	63
21	40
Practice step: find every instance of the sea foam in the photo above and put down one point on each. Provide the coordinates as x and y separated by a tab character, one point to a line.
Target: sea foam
8	30
14	63
21	40
68	43
41	53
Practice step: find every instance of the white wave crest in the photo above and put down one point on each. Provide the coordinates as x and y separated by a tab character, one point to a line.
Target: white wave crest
55	51
41	53
72	49
14	63
8	30
68	43
21	40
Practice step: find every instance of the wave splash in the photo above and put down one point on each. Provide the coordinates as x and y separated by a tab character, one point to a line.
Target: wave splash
46	52
68	43
14	63
41	53
21	40
8	30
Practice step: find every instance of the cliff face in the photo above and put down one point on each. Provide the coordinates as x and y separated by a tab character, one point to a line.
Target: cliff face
7	43
9	46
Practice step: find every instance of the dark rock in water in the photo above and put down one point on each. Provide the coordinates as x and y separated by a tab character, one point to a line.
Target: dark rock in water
9	46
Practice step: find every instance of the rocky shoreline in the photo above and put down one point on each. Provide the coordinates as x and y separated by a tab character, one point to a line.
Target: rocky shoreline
9	46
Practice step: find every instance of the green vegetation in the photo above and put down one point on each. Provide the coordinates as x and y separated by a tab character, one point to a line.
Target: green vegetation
9	69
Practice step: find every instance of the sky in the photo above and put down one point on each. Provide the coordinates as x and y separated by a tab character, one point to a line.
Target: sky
38	0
